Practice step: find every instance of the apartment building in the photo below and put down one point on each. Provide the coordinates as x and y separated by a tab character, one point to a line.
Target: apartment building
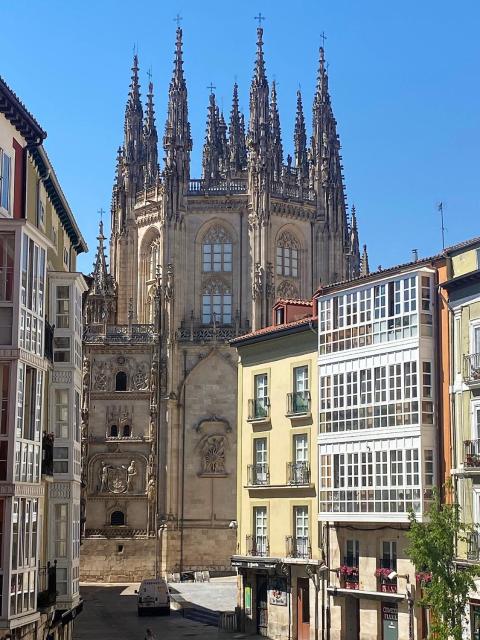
377	445
460	295
40	369
277	541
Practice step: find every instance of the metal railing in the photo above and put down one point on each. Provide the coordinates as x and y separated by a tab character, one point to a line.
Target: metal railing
471	454
298	473
47	454
258	474
47	586
298	547
258	408
257	546
473	546
298	402
471	367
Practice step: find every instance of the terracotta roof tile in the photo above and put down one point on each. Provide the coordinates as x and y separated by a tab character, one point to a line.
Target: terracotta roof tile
273	328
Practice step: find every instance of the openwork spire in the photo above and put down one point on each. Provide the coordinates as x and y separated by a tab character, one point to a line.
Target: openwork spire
237	152
222	133
328	178
300	139
276	135
354	247
150	140
177	141
134	119
259	104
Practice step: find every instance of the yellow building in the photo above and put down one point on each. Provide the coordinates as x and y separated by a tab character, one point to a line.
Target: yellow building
277	534
462	292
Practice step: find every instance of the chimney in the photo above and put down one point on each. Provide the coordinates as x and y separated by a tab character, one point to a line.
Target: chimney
414	255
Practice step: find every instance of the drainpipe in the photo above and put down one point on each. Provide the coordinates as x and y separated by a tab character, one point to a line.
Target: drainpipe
183	458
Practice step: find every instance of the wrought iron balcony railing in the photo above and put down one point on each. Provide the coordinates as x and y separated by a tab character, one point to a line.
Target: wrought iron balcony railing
259	409
471	457
298	473
298	547
258	474
47	586
471	368
298	402
257	546
473	548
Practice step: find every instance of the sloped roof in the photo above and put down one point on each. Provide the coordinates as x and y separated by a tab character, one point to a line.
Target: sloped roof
19	116
273	329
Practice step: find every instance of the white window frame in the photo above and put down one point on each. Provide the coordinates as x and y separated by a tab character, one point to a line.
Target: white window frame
474	327
8	208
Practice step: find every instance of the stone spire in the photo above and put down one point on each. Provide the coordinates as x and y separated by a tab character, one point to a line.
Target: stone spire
354	247
328	178
100	272
133	134
276	135
300	140
237	153
258	134
150	140
364	267
212	148
118	211
222	132
177	140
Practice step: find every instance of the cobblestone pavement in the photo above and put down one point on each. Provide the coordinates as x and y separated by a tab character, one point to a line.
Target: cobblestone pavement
110	613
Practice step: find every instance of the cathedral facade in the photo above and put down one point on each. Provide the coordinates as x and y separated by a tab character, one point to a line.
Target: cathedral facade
193	264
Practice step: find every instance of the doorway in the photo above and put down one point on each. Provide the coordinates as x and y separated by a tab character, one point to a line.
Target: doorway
352	618
262	606
303	609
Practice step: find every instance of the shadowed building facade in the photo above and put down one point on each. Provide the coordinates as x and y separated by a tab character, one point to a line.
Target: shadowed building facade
194	263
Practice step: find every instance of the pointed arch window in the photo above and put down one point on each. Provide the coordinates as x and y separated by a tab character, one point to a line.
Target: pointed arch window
217	251
216	302
288	250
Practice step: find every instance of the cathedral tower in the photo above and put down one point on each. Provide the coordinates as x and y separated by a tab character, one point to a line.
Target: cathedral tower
194	263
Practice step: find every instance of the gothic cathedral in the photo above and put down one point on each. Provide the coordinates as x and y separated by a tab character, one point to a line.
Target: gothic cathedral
194	263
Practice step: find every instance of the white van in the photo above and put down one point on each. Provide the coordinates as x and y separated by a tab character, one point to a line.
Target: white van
153	597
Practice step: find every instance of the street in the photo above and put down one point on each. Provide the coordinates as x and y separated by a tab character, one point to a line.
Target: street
110	612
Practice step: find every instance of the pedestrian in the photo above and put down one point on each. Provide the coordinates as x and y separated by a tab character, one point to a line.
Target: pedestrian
149	635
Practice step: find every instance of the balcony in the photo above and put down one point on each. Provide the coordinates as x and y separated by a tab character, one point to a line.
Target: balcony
298	404
471	454
348	574
385	584
473	548
258	475
47	586
471	369
298	473
119	333
259	410
47	454
257	546
298	547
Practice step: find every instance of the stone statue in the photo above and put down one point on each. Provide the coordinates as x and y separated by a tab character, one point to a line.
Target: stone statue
151	490
85	385
104	477
131	473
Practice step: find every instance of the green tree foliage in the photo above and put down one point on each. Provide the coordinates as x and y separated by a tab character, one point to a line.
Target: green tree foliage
432	550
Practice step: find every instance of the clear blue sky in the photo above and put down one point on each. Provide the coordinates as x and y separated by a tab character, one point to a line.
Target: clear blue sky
404	78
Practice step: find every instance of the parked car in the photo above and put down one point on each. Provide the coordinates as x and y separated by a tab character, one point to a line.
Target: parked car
153	597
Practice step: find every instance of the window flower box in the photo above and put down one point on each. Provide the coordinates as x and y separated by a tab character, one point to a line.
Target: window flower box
348	577
423	577
385	584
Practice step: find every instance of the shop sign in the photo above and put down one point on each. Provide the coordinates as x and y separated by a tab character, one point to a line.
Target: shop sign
278	591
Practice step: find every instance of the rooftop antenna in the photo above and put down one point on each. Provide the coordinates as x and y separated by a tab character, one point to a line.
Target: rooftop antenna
440	208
